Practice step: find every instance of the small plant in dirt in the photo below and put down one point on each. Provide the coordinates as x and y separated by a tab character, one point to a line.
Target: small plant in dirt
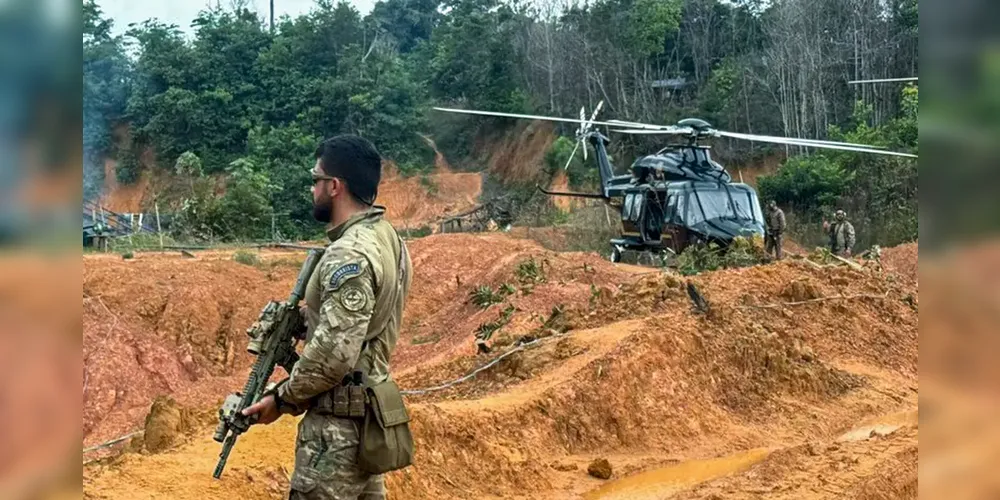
486	330
506	289
127	255
419	232
821	255
530	271
484	296
556	320
428	184
595	293
426	339
246	257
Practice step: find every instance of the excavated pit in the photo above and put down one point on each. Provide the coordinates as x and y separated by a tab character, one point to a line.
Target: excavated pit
628	371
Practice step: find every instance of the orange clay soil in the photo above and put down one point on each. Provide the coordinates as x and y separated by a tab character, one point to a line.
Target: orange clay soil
755	398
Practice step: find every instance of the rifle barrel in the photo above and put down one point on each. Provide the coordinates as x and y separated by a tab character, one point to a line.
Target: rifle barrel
226	448
304	274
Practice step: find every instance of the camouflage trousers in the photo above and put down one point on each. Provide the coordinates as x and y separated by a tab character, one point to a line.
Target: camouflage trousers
772	244
326	465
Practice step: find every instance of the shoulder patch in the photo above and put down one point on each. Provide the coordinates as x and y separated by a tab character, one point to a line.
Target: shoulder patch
343	272
353	299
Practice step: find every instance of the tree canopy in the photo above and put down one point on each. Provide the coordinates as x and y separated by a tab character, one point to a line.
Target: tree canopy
236	92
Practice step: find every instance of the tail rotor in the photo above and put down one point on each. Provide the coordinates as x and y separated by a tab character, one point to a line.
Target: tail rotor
583	132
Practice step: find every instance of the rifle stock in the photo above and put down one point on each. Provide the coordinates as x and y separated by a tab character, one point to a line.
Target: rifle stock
272	340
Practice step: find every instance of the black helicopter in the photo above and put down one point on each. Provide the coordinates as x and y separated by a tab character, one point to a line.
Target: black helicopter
677	196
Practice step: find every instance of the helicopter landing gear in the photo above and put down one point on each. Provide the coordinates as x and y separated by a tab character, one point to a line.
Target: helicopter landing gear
616	254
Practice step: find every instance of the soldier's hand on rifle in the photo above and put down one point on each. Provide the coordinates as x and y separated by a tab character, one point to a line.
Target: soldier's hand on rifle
266	408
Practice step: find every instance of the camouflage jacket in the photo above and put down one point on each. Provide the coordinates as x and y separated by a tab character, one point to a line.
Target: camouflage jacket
354	305
775	221
841	236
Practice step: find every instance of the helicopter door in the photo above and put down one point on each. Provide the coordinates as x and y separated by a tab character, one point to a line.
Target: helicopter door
651	224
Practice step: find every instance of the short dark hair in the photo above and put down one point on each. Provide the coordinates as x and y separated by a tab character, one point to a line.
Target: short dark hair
354	159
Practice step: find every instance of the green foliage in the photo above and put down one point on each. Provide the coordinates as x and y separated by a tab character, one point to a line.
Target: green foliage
486	330
649	23
127	169
483	296
743	252
188	165
235	92
246	257
698	258
429	184
530	271
245	210
106	81
419	232
580	174
470	57
806	182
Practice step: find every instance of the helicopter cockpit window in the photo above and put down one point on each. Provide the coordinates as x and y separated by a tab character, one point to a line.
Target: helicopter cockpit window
744	207
721	204
627	207
636	207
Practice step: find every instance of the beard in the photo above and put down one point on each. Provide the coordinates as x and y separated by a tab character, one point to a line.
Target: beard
323	210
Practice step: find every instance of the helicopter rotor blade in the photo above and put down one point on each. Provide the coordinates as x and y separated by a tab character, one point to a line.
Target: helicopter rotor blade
752	137
860	148
556	119
570	160
883	80
594	115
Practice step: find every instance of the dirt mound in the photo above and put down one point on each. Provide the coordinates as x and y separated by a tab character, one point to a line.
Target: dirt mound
600	468
158	324
902	261
165	425
440	320
440	162
560	184
414	202
661	381
749	172
520	154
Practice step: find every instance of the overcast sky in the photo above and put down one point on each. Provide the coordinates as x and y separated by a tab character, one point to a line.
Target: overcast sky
182	12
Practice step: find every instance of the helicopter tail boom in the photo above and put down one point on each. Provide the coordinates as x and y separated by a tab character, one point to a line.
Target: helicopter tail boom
594	196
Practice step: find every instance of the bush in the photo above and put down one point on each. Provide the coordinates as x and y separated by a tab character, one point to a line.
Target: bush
697	258
246	257
741	252
810	183
127	170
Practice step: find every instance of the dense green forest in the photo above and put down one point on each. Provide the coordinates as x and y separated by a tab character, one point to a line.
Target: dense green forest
241	97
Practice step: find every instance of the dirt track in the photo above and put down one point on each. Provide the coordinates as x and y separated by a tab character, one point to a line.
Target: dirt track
756	399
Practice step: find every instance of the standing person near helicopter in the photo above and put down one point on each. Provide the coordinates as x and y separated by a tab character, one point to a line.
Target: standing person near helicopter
841	234
775	229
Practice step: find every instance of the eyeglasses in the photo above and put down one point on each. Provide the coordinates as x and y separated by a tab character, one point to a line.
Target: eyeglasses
320	177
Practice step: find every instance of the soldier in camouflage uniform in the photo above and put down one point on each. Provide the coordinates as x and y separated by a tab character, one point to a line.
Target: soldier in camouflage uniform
775	229
841	234
354	306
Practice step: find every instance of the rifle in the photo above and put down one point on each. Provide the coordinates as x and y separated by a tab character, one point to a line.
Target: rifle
272	339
